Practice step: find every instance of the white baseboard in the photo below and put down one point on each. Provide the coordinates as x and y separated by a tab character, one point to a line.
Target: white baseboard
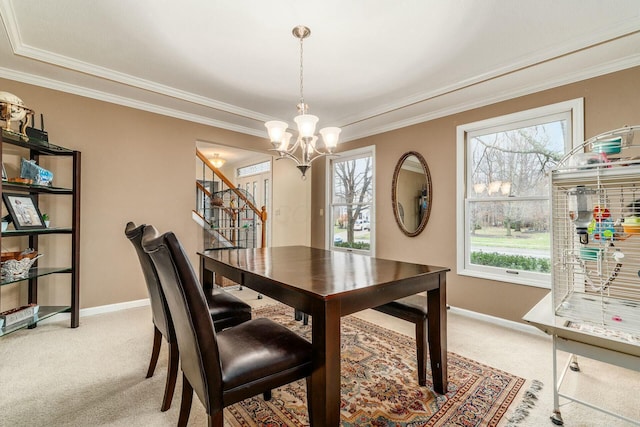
510	324
114	307
92	311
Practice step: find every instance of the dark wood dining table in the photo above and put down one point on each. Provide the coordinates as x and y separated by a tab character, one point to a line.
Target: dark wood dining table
328	285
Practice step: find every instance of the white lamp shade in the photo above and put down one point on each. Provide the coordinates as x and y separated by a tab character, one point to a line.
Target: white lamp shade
330	137
306	124
284	143
312	145
276	130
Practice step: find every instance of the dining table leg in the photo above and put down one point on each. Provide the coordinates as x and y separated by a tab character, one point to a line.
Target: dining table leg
437	335
325	379
206	275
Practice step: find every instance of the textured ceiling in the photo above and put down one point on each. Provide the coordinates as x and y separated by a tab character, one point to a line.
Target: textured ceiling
369	65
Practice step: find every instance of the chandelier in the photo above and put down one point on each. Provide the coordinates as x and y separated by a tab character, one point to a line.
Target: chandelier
306	140
217	161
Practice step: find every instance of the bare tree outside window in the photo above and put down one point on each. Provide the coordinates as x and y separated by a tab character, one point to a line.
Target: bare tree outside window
352	198
514	164
508	208
521	157
503	165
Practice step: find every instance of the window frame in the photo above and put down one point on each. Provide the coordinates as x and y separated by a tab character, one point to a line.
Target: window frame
575	110
357	153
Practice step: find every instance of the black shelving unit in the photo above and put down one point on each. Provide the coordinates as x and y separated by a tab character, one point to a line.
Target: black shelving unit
36	149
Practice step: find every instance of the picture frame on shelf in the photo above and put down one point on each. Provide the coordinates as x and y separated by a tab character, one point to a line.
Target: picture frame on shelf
4	173
23	210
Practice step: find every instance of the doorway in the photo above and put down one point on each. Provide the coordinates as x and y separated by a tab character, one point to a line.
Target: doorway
247	170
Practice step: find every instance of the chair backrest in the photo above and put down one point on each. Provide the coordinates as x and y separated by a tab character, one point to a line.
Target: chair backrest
199	356
159	307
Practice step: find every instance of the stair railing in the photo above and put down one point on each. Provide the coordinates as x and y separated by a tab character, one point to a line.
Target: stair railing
260	213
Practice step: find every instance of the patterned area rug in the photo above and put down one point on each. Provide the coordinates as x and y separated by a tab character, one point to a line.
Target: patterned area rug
380	386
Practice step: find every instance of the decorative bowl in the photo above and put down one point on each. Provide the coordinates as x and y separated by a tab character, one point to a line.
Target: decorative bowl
28	253
18	268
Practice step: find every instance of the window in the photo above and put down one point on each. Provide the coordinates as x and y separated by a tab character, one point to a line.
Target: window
254	169
351	202
503	191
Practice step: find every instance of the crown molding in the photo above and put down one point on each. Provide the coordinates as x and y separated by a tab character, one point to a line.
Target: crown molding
584	74
126	79
22	49
363	124
8	16
573	46
124	101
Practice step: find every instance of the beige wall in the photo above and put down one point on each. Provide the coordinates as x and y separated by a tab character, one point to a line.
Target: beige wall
291	203
137	166
611	101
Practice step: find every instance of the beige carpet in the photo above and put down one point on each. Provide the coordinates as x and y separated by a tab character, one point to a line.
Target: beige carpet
94	375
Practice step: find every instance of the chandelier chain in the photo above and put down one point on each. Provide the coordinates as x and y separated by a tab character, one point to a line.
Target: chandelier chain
301	76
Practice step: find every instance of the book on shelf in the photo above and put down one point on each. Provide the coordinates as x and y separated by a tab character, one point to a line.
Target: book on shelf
19	314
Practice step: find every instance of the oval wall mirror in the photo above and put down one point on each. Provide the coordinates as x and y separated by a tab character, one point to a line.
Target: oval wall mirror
411	193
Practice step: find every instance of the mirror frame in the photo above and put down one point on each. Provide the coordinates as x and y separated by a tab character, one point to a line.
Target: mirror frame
394	196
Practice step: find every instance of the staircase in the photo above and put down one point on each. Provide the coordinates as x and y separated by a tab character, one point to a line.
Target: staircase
227	215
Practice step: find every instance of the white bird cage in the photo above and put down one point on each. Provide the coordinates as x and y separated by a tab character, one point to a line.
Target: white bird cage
595	209
596	237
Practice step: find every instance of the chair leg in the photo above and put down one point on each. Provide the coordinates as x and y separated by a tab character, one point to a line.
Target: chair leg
172	375
309	398
300	315
185	404
216	420
157	342
421	350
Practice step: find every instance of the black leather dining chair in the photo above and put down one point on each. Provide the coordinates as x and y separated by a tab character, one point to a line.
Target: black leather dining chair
413	309
222	367
224	309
